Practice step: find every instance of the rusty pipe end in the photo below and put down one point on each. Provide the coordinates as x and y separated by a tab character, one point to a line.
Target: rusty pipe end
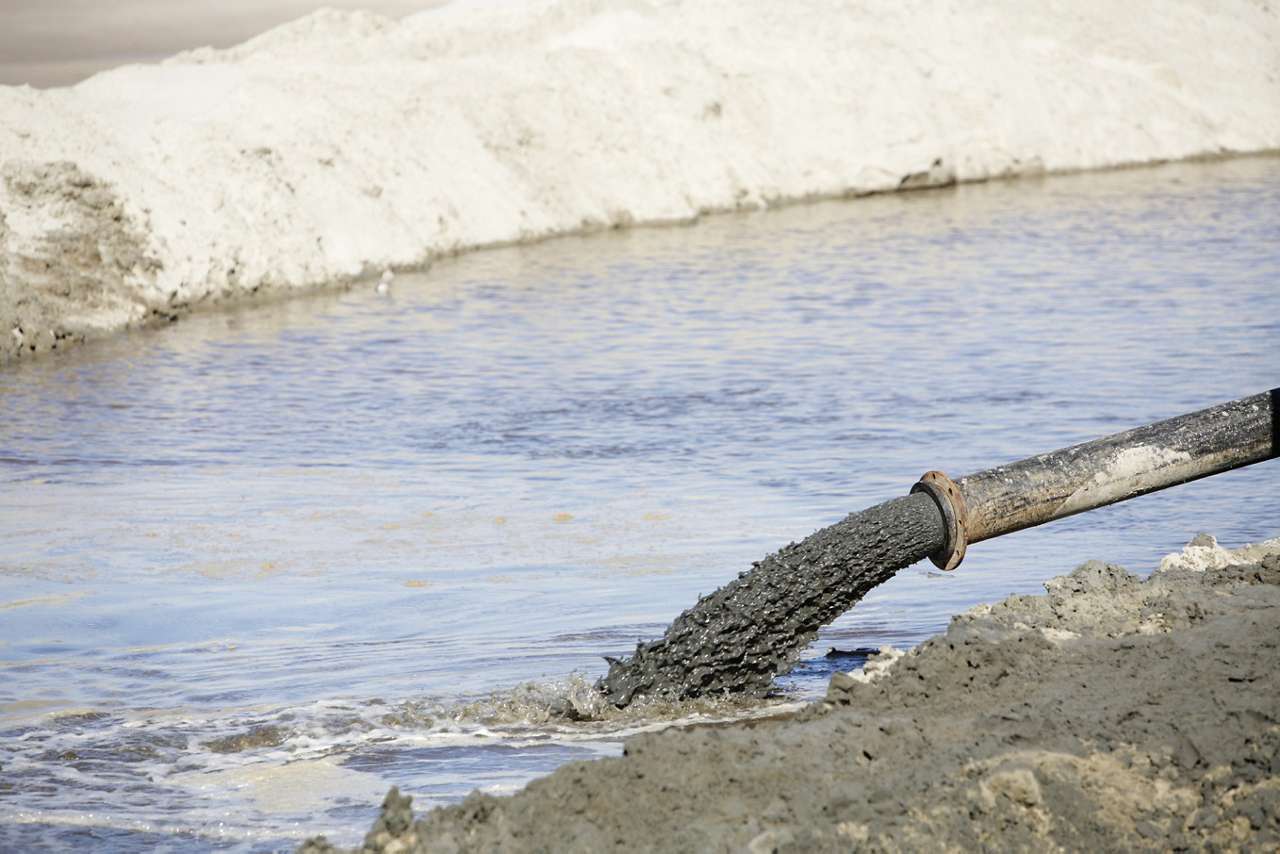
950	501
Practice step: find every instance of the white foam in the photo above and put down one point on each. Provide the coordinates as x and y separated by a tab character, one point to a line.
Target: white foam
878	666
346	143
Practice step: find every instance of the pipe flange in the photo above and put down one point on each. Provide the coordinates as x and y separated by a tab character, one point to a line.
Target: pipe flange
950	501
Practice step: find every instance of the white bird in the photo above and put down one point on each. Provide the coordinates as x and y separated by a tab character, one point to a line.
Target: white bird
384	284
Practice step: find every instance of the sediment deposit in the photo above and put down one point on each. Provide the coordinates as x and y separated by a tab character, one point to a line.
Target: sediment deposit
1110	713
346	143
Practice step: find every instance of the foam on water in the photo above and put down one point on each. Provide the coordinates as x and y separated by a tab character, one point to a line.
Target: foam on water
259	776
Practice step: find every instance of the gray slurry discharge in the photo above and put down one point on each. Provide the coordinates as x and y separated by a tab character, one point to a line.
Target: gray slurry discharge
738	638
1111	713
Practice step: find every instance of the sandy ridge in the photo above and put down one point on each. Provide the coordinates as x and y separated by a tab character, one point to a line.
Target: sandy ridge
345	143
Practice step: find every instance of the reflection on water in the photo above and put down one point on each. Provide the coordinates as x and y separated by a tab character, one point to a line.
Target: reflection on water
261	565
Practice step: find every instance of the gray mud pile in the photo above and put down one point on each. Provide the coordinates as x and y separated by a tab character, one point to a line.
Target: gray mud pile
1110	713
79	280
735	640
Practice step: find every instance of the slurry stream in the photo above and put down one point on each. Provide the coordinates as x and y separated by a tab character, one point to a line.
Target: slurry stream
736	640
262	564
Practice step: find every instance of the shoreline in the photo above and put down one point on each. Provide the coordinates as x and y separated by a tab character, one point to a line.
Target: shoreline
344	144
1111	711
267	295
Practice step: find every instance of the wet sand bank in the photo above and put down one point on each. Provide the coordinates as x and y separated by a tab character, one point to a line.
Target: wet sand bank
1109	712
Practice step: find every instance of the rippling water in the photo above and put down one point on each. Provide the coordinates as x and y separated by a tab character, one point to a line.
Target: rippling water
261	565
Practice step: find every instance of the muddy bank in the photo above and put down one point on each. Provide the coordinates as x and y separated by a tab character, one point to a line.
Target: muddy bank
1110	712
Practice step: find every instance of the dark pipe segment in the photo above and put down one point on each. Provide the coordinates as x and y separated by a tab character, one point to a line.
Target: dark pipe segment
738	638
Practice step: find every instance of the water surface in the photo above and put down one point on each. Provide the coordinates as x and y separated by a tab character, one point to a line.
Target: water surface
346	528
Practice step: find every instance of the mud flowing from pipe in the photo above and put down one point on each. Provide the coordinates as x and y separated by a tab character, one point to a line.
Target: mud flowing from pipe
737	639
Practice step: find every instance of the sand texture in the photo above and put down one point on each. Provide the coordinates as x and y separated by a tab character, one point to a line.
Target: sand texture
1111	713
346	143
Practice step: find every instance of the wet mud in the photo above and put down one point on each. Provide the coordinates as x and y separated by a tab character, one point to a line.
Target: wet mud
1109	713
737	639
253	739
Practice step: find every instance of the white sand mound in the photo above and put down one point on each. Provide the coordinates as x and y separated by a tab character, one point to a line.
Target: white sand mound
1204	554
345	143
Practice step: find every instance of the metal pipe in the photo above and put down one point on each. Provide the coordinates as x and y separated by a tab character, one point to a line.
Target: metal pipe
739	637
1062	483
